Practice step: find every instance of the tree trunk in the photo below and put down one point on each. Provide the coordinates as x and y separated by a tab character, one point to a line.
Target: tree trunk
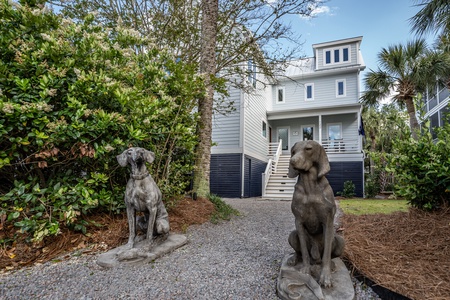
413	123
205	105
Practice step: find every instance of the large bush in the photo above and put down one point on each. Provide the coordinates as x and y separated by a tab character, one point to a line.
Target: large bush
422	169
72	97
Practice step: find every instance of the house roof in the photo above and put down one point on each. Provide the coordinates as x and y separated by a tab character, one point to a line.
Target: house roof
338	42
305	67
300	67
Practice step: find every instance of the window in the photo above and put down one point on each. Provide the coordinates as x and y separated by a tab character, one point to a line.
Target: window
334	131
337	55
308	132
251	69
280	95
309	91
340	88
264	129
327	57
345	54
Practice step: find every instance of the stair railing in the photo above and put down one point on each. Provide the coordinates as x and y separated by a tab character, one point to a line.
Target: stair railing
270	168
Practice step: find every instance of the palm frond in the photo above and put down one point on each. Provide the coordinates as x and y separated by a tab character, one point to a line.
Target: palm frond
433	17
378	85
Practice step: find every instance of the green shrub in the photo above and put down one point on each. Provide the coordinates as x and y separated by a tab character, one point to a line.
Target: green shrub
422	169
349	190
371	186
72	97
223	210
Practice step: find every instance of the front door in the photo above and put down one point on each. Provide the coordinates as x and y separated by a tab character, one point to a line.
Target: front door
307	132
283	134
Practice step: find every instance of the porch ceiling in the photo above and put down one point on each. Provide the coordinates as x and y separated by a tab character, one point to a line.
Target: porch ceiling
301	113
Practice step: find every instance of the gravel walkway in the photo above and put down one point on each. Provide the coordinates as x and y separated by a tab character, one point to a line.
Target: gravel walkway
237	259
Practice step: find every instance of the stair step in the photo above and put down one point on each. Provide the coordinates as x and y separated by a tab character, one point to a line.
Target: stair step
279	191
280	186
277	197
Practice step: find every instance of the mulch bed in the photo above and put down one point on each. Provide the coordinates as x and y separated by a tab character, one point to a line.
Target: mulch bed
407	253
109	232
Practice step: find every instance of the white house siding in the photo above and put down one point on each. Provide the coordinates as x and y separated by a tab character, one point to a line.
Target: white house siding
226	128
324	93
354	53
254	107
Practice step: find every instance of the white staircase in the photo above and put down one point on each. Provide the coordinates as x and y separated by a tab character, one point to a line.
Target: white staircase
279	185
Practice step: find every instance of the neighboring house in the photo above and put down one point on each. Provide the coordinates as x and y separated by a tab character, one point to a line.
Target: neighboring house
436	107
317	98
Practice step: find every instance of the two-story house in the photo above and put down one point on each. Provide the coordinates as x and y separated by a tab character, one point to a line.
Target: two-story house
317	98
436	106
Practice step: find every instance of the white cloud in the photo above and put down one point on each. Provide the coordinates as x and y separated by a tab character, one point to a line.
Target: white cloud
317	10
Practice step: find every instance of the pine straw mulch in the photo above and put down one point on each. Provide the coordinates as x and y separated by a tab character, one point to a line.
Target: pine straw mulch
405	252
109	232
408	253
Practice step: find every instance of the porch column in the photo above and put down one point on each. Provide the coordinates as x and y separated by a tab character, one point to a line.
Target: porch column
320	129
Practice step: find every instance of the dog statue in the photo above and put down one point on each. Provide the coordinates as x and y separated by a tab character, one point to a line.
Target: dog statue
143	195
314	207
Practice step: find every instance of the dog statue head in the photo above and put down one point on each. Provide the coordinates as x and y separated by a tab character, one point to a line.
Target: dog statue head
135	156
306	154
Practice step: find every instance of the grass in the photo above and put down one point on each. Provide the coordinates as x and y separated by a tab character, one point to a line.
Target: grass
223	210
372	206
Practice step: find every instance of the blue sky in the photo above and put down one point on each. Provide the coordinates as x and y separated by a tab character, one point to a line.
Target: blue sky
381	23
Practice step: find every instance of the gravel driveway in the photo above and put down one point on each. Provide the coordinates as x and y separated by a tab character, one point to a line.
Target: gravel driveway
237	259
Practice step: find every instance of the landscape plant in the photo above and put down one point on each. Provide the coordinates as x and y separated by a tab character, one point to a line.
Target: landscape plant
421	168
348	190
223	210
230	41
72	97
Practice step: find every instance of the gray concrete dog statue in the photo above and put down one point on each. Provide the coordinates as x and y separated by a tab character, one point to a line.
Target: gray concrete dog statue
315	262
143	195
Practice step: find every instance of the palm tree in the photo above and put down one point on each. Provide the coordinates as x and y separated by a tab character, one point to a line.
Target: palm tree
434	16
404	70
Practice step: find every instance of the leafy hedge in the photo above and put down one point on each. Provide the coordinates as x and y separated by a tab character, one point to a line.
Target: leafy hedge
72	97
422	169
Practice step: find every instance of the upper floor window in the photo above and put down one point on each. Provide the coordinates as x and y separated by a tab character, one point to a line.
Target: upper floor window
337	55
309	91
280	95
251	70
345	54
340	88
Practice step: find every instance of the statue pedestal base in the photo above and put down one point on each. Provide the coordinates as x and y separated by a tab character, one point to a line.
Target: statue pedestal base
292	284
141	253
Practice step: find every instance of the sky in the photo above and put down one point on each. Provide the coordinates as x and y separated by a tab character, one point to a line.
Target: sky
381	23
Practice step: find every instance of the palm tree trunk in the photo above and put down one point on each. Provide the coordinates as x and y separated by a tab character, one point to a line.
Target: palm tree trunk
413	123
205	105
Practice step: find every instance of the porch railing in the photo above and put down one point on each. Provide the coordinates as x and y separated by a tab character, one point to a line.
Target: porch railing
435	100
341	146
274	153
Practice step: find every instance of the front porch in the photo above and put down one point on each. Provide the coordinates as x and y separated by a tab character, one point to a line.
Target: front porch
337	130
346	160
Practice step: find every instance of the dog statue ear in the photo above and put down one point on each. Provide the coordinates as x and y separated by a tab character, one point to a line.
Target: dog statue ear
292	173
149	156
122	159
324	165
